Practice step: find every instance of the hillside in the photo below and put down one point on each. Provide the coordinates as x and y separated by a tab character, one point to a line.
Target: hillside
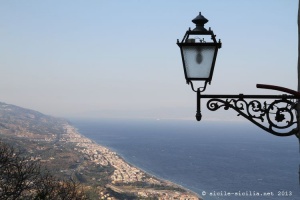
17	121
67	154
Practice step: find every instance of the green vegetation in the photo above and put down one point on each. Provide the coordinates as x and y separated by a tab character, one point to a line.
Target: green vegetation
22	177
140	184
127	196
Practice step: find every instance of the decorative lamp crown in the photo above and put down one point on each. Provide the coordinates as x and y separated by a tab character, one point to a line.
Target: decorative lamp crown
198	54
200	20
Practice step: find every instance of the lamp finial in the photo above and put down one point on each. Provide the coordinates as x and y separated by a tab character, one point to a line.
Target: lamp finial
200	20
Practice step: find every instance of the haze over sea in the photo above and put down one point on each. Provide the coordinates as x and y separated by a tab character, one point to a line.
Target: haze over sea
209	158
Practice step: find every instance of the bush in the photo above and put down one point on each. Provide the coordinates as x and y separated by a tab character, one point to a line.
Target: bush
23	178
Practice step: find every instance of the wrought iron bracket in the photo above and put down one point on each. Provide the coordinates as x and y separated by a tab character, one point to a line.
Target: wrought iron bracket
278	117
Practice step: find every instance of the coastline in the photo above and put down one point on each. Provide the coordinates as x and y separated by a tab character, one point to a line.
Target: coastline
125	172
150	174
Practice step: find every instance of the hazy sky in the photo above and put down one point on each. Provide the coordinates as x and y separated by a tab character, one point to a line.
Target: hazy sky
115	58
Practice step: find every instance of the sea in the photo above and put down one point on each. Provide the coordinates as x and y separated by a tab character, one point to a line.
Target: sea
217	160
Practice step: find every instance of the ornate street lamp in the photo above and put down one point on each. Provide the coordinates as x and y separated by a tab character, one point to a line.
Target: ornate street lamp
199	55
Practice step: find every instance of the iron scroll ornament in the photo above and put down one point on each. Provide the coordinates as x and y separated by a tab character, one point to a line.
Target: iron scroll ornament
280	115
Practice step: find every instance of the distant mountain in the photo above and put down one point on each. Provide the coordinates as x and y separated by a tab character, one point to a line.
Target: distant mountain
15	120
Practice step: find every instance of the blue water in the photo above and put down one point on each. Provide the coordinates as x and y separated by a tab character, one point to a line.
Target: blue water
209	158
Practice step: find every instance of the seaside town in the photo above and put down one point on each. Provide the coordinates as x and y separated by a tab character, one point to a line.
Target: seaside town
123	173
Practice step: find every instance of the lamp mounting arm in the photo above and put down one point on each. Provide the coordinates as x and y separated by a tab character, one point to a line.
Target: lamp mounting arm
276	114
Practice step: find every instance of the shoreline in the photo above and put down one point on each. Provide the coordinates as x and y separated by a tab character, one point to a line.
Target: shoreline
149	173
123	169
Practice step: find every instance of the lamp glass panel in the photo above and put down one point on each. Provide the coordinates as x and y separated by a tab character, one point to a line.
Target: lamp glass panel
198	60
